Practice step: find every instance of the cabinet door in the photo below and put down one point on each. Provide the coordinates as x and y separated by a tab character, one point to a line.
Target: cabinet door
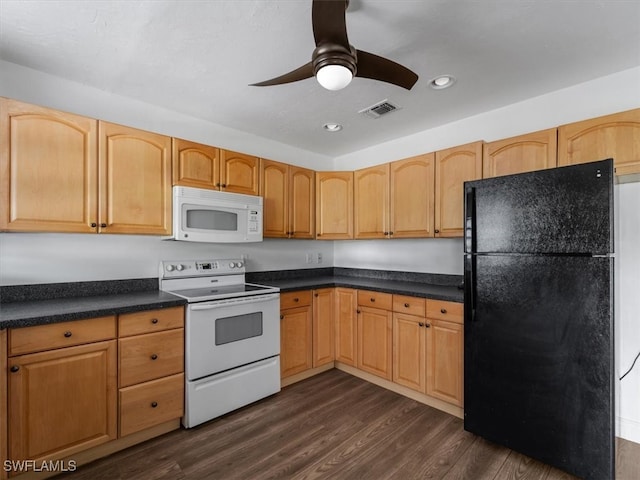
62	401
371	202
3	402
334	205
375	341
412	196
135	181
48	169
454	166
444	360
409	351
239	173
323	343
346	326
195	165
525	153
302	202
275	191
295	341
614	136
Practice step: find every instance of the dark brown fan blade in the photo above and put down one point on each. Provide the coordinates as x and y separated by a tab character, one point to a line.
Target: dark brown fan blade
379	68
305	71
329	24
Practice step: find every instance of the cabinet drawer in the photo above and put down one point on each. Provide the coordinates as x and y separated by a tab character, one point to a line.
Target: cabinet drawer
58	335
151	403
295	299
150	321
150	356
450	311
410	305
368	298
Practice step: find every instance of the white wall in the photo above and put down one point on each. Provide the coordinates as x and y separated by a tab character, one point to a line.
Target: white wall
627	307
28	258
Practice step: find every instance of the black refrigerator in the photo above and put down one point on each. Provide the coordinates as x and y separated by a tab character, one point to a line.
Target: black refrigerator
538	333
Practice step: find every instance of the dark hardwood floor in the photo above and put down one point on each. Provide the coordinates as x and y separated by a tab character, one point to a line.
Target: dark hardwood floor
331	426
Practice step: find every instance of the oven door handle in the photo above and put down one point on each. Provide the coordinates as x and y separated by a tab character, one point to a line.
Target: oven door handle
204	307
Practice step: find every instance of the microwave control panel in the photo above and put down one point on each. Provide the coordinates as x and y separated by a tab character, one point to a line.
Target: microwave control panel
253	221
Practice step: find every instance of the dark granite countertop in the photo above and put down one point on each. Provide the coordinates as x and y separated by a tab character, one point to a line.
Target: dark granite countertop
28	305
438	287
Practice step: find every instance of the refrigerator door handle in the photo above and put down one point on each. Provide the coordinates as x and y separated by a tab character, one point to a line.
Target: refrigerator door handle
469	219
469	288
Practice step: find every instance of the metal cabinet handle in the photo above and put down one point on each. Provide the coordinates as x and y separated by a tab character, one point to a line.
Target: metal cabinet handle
386	233
406	305
103	225
390	233
67	334
15	368
296	299
443	310
358	311
373	299
427	325
421	324
154	357
281	317
154	320
154	404
94	224
437	231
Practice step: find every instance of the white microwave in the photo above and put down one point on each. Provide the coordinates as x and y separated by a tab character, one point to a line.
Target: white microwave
201	215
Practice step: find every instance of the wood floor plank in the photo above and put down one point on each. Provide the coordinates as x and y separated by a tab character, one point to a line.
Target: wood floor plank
332	426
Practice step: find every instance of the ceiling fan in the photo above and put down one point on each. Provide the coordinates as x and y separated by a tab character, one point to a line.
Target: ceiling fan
334	61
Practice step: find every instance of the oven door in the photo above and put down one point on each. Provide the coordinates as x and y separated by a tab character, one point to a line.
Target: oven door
224	334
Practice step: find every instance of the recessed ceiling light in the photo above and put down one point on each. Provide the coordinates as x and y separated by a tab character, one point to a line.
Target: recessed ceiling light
442	81
332	127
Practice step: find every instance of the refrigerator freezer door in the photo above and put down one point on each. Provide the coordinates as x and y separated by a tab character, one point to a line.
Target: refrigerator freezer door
560	210
539	359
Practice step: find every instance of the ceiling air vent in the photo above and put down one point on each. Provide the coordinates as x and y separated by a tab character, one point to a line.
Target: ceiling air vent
379	109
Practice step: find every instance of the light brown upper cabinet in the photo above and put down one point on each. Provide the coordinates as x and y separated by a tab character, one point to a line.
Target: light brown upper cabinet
614	136
203	166
454	166
289	200
395	200
524	153
411	197
195	165
135	180
334	205
371	202
239	173
48	169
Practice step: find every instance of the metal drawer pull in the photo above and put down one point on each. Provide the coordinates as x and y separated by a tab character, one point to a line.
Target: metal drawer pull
154	357
281	317
427	325
67	334
154	404
406	305
296	299
421	324
154	320
443	310
15	368
373	299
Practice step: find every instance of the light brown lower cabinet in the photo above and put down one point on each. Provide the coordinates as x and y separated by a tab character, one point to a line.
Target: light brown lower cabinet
63	381
62	401
346	326
428	351
323	342
296	333
375	341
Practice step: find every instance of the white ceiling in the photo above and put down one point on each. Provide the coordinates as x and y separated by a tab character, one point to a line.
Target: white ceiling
198	57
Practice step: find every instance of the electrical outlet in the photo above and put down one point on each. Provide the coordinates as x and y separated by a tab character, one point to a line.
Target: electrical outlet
309	258
319	257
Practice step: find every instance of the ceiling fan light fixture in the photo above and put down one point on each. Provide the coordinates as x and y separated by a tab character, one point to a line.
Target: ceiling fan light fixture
334	77
442	81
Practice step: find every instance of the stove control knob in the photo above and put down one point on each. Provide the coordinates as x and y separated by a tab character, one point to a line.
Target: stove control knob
169	268
239	264
179	267
232	265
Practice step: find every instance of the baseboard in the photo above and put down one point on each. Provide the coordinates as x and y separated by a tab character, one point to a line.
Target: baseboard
628	429
407	392
306	374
